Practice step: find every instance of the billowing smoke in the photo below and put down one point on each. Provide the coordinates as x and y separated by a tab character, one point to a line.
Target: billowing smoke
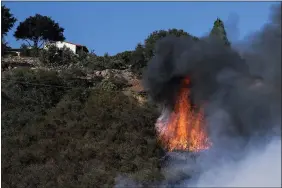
259	168
242	90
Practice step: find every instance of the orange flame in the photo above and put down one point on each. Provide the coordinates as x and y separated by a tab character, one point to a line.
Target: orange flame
185	129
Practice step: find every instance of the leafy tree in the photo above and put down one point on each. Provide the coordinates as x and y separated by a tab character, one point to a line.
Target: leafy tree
138	59
4	46
151	40
119	61
219	32
124	56
8	20
39	28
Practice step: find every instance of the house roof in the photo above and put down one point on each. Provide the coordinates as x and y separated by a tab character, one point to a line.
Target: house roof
69	43
73	43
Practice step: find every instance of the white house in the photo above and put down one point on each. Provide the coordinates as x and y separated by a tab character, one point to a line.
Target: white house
76	48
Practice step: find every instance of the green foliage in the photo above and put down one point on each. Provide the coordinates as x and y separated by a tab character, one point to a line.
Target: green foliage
28	98
29	52
88	139
113	84
151	40
119	61
107	85
94	62
106	55
125	57
218	31
24	50
82	56
138	61
75	77
8	20
4	46
50	56
31	92
55	56
103	62
39	28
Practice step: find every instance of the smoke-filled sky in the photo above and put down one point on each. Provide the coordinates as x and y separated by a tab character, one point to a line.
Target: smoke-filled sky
117	26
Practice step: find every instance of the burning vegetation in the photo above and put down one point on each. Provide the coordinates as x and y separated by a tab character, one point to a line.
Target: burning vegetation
238	99
185	128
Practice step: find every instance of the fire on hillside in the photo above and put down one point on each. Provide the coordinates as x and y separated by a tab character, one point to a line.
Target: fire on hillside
185	128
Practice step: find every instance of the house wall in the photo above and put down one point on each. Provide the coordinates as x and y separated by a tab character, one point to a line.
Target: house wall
72	47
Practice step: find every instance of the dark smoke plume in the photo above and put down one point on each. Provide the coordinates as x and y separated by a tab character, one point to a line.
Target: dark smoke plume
242	90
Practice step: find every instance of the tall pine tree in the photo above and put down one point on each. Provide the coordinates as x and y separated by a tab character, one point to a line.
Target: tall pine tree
219	32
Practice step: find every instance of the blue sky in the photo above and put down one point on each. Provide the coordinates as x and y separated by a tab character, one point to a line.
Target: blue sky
118	26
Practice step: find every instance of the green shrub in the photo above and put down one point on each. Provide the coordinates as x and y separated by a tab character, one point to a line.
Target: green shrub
82	56
107	85
29	52
125	56
30	94
123	59
120	61
54	56
113	84
88	139
93	62
116	64
76	78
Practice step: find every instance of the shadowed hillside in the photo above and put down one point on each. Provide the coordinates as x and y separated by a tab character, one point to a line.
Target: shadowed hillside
77	120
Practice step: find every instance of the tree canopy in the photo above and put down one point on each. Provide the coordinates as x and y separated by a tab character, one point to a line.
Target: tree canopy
219	32
39	28
8	20
151	40
138	59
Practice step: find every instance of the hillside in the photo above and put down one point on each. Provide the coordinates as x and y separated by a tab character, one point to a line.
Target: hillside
77	120
71	128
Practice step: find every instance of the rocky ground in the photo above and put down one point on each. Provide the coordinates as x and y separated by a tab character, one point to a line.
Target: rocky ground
134	85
